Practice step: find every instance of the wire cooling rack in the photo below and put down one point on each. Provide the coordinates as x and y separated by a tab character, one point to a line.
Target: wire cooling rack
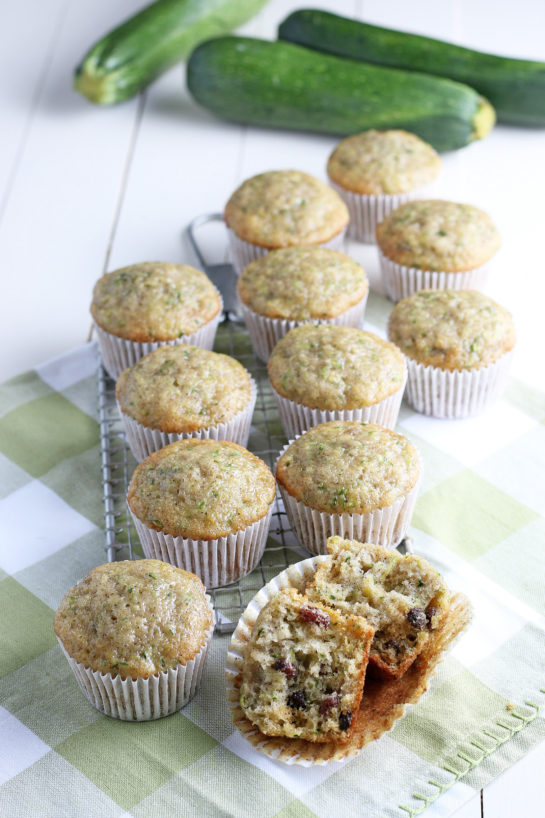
266	440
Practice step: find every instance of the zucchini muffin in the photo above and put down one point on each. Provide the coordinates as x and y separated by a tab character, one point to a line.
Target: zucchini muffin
435	245
282	208
376	171
205	506
304	669
136	635
348	478
137	308
324	372
458	347
296	285
402	597
184	391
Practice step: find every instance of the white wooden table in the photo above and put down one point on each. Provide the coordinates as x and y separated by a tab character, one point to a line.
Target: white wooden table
84	190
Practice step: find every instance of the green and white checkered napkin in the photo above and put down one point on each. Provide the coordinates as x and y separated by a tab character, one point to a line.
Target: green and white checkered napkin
479	519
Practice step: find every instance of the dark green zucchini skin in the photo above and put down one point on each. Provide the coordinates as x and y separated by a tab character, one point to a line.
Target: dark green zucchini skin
135	53
278	84
516	88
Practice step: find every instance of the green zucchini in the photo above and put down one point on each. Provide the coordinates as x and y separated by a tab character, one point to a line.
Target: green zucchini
516	88
132	55
278	84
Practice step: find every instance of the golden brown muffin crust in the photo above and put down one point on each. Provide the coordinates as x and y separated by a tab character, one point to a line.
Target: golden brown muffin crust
302	283
134	618
347	466
201	489
335	368
438	235
283	208
377	162
154	301
452	329
183	388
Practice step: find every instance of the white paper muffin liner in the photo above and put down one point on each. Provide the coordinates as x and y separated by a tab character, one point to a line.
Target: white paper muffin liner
243	253
120	353
143	699
400	281
384	526
457	394
265	332
297	418
144	440
217	562
368	209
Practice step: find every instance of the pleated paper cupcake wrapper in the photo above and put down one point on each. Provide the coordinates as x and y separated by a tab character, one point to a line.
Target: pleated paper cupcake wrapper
120	353
368	210
217	562
454	395
296	418
400	281
143	699
143	440
383	702
243	252
266	332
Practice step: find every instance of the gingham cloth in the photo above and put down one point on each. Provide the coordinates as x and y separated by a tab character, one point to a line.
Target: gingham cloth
479	519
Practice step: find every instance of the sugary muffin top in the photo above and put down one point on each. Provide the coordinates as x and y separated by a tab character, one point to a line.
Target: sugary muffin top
283	208
438	235
302	283
329	367
134	618
201	489
451	329
375	162
349	467
154	301
183	388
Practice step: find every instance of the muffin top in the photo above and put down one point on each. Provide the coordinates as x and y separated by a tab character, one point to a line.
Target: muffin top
201	489
383	162
437	235
451	329
348	467
183	388
302	283
329	367
134	618
283	208
154	301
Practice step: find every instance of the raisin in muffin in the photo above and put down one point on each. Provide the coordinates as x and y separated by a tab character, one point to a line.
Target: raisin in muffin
304	669
349	478
458	347
137	308
205	506
136	634
437	245
402	597
184	391
376	171
297	285
282	208
325	372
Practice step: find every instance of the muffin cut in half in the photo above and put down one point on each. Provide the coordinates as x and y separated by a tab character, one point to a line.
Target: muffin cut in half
282	208
304	669
402	597
376	171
